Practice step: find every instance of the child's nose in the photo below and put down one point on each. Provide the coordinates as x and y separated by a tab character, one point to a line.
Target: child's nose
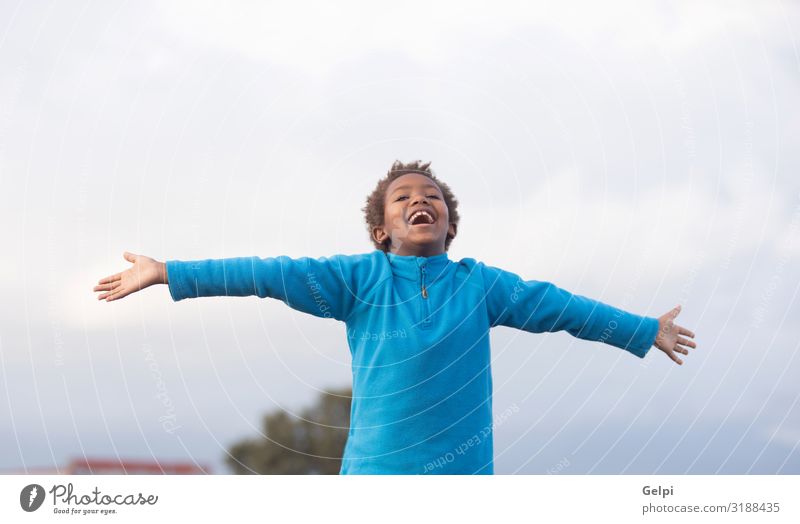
418	199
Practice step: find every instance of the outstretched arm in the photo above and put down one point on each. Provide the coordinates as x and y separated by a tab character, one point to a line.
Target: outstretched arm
323	287
542	306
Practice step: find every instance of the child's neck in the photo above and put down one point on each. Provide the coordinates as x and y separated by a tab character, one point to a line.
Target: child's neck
417	251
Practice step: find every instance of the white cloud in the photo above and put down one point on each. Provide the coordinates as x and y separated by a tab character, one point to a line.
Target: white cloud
662	236
314	35
784	436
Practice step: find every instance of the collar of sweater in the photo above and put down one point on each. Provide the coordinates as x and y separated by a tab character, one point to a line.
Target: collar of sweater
410	266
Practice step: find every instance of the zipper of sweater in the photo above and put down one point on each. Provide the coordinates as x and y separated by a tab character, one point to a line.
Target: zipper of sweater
424	290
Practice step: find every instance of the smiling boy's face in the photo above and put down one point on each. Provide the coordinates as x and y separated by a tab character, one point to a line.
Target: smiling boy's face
415	217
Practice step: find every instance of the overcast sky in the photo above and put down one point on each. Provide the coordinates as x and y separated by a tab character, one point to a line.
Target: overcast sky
642	155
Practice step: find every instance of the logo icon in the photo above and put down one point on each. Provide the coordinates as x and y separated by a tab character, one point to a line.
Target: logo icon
31	497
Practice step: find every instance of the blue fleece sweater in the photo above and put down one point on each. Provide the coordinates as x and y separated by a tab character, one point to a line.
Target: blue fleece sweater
418	332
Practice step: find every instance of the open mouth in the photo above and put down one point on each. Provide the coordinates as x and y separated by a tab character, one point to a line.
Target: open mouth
421	218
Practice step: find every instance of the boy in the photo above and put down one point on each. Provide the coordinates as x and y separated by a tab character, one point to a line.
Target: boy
417	324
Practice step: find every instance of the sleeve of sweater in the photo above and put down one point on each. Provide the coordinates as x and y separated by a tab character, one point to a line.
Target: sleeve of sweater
323	287
537	307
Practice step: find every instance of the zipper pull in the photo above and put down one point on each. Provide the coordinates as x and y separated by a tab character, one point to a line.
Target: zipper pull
424	289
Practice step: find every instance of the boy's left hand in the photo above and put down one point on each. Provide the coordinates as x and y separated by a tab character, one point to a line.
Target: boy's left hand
669	339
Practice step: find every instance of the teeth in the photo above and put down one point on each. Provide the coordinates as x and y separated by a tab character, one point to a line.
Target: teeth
411	219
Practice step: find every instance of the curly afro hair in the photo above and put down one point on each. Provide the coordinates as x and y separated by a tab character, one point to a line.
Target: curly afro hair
374	210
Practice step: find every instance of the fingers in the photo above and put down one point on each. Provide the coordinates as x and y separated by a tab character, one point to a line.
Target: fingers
112	278
107	287
674	313
111	294
130	257
115	294
675	358
686	342
684	331
113	284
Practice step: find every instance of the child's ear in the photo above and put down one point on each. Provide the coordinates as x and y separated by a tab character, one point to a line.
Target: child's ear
379	234
452	229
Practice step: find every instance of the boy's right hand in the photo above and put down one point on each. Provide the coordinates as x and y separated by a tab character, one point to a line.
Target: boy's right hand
144	273
669	339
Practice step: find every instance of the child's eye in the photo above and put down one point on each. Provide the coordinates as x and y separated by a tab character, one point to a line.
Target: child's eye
404	196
